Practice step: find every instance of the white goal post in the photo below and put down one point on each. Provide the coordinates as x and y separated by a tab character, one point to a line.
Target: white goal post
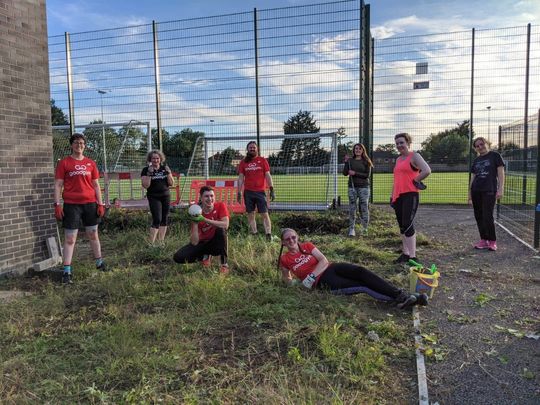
304	167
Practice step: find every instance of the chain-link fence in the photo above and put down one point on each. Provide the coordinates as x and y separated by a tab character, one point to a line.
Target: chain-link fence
446	89
519	149
247	74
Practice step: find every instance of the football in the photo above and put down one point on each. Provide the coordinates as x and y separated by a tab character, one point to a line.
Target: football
194	210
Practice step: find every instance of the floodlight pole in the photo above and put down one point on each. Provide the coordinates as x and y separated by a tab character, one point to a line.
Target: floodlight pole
101	93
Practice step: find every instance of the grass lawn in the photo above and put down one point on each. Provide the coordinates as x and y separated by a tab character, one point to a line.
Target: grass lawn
447	188
153	331
443	188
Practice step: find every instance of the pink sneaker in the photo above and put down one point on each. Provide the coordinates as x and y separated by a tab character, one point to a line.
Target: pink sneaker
482	244
492	245
206	260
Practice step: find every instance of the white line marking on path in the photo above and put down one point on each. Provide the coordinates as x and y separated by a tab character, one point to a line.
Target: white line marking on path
423	397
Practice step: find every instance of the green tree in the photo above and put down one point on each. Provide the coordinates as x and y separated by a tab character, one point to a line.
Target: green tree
221	162
301	151
449	146
387	147
61	146
58	117
94	144
180	146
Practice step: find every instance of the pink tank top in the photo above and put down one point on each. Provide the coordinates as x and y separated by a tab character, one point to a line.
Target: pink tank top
404	175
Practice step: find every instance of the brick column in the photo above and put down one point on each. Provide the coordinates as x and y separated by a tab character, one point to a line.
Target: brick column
26	160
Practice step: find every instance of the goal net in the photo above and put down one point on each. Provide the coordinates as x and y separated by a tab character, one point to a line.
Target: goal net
304	167
116	147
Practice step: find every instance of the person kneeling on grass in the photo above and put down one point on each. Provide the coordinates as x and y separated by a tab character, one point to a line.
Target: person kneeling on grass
305	262
208	233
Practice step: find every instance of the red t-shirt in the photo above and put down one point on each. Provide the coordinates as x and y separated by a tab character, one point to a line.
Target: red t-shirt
300	264
254	173
78	176
207	231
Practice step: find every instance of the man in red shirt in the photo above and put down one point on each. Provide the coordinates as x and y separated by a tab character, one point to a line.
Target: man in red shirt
208	233
77	183
253	177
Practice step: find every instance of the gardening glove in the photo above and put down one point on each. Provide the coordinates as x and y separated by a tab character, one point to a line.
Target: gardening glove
272	194
101	210
58	212
198	218
309	281
419	185
239	197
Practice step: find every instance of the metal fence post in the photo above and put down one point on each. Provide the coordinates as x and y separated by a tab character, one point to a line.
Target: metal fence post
71	105
471	106
537	202
499	142
362	71
157	84
526	118
257	112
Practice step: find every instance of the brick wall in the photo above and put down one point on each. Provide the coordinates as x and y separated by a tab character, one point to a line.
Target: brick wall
26	168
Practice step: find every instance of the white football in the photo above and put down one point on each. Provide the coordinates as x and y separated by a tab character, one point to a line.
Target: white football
195	210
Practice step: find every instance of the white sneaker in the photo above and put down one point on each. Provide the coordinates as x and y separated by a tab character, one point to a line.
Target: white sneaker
352	232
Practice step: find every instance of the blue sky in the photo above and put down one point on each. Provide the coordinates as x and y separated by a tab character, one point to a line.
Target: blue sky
388	17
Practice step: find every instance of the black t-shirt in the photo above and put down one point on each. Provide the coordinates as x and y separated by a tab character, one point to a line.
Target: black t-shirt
484	169
158	184
362	170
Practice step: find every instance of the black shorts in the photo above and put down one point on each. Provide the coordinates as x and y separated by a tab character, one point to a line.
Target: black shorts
254	199
74	214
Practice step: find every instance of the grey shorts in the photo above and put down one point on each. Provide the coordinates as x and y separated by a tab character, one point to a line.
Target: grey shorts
254	199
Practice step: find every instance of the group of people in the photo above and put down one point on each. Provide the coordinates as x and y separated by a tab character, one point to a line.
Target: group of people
77	183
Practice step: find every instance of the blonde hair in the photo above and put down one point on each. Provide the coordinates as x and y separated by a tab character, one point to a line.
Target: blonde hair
480	138
155	152
405	135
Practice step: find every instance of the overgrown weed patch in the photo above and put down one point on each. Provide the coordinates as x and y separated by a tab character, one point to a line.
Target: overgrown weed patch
154	331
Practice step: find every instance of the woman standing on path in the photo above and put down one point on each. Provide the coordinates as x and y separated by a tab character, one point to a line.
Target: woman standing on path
487	185
358	168
409	171
156	178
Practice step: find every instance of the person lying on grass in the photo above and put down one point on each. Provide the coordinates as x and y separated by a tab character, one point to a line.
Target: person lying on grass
306	263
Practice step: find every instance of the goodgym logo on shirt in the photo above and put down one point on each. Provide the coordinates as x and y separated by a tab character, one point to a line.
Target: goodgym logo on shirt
301	260
81	170
253	166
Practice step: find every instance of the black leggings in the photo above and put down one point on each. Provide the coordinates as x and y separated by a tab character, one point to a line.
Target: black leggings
405	208
217	246
159	208
483	205
347	278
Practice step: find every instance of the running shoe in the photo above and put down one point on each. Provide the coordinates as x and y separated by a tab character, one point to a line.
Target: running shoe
421	299
403	258
67	279
410	301
206	260
102	267
492	245
482	244
224	269
352	232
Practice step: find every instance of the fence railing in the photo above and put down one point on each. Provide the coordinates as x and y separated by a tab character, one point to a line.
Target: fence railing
246	74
